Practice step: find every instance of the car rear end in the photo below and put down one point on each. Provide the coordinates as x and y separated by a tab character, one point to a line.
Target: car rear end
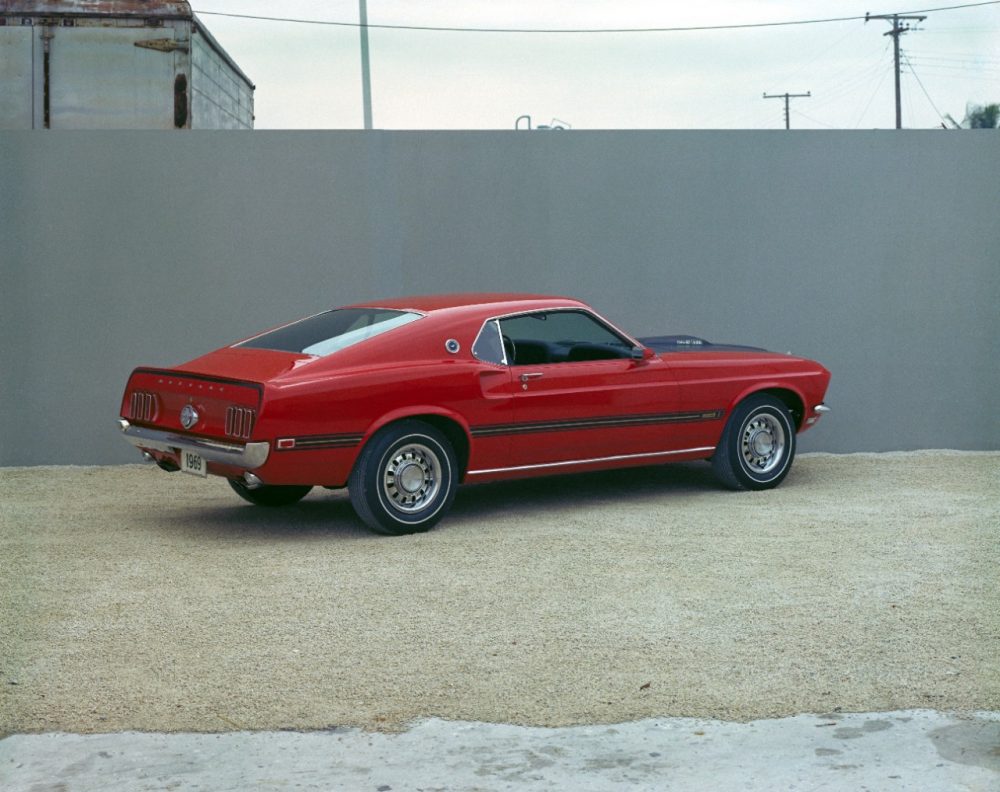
195	423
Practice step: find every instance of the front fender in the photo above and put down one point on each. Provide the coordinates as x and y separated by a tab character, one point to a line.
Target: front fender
790	393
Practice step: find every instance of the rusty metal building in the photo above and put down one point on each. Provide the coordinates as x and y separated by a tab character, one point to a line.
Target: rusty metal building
116	64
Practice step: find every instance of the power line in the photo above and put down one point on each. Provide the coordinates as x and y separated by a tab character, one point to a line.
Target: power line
969	71
986	79
814	120
796	70
857	81
864	112
954	57
685	29
954	31
967	66
921	84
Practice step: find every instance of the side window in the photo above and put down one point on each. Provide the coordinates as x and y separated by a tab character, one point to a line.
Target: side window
560	337
488	346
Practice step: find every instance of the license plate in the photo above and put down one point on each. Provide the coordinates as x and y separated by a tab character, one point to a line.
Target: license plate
193	464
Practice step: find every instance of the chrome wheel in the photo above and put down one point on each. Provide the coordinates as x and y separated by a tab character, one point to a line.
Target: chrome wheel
757	445
411	477
404	479
763	443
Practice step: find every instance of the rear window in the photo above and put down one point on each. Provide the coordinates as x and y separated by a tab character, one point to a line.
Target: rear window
328	332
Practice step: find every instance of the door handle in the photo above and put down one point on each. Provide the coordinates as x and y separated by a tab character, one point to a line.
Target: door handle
527	377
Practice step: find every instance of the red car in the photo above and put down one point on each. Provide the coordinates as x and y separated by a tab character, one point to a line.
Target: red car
402	400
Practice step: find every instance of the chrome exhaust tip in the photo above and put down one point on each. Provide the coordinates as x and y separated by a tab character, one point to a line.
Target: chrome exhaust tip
252	482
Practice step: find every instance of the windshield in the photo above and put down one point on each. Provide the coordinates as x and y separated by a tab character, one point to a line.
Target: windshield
328	332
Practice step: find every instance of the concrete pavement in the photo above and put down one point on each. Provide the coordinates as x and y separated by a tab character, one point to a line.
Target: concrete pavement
897	751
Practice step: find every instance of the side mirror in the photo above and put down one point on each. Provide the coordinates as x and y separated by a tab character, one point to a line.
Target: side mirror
642	354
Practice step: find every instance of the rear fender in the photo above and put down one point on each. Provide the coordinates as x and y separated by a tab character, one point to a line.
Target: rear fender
451	423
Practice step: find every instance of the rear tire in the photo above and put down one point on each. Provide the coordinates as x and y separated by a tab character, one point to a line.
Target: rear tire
269	494
404	480
757	446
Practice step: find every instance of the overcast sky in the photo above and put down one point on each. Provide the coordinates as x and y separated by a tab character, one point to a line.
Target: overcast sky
309	76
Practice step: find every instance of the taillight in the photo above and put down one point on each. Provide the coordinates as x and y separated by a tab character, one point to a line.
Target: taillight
142	406
239	422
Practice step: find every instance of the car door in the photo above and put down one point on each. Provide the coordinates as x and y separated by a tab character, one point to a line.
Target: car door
583	391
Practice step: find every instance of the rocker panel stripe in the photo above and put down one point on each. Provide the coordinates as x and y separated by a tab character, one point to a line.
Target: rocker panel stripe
596	423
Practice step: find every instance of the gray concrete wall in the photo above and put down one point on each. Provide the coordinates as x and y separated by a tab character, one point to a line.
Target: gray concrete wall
877	253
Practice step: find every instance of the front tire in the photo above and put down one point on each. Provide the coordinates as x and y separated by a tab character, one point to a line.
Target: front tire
404	479
757	446
269	494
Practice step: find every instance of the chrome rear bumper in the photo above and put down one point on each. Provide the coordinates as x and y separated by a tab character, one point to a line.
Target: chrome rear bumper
250	456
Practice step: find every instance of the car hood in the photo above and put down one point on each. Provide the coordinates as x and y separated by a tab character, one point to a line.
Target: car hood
251	365
686	343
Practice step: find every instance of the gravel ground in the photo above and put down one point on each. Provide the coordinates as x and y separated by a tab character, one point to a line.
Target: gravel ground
137	600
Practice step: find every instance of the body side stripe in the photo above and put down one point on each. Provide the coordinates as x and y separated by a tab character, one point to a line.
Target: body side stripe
315	442
595	460
596	423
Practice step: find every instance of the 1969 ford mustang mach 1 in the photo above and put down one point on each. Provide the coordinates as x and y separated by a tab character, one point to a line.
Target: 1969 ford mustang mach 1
402	400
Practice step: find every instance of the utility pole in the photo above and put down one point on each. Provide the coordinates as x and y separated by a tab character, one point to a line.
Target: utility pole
366	77
897	31
786	97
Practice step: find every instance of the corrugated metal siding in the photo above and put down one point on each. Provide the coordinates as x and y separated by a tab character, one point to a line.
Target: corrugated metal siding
220	98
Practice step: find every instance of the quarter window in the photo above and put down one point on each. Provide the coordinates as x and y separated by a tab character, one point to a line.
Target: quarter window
488	346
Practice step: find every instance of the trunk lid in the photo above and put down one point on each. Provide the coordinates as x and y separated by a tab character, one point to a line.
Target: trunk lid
193	404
